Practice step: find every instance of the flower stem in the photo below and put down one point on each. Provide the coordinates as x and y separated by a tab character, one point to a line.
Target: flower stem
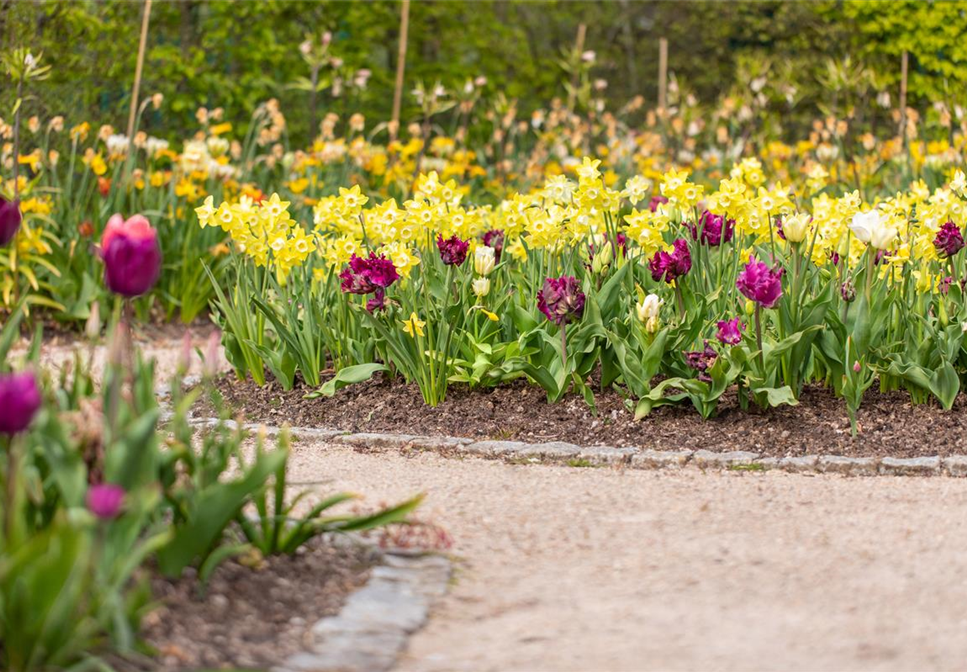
758	336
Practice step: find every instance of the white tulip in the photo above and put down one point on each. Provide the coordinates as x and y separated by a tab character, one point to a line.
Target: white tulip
484	260
864	223
481	286
795	227
649	308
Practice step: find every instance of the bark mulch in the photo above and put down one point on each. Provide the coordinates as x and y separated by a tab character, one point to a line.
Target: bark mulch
889	424
253	614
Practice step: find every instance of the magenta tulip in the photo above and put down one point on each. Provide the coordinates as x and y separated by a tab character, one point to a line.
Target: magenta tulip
561	300
105	500
729	331
19	401
10	219
131	254
760	283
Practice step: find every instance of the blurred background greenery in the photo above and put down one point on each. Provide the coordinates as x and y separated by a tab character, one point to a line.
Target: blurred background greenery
235	54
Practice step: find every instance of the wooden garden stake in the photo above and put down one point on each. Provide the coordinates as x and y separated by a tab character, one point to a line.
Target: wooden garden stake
904	66
578	50
400	69
662	73
138	68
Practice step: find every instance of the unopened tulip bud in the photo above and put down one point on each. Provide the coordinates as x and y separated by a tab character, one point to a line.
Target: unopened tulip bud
92	329
481	286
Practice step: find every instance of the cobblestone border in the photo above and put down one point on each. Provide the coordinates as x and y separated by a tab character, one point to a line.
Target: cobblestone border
559	452
373	626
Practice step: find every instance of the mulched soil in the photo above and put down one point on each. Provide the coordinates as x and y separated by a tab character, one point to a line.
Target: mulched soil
253	614
889	424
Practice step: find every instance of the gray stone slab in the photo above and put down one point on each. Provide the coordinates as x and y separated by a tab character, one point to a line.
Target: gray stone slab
375	440
606	455
438	443
805	464
706	459
496	448
913	466
767	463
552	450
955	465
849	466
660	459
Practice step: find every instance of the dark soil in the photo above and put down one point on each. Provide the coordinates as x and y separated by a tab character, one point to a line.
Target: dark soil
888	423
253	614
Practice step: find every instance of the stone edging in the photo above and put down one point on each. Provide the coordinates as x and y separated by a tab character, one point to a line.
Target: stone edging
372	628
560	452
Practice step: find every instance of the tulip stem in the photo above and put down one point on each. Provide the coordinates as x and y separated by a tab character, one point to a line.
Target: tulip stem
758	336
11	490
564	343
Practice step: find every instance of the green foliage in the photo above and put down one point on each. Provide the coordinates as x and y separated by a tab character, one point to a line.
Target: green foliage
235	54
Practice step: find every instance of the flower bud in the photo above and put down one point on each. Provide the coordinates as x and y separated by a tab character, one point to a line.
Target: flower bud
105	500
796	227
481	286
92	328
484	260
19	401
649	308
10	219
131	254
602	258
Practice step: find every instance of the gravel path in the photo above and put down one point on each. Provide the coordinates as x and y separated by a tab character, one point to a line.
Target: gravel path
565	568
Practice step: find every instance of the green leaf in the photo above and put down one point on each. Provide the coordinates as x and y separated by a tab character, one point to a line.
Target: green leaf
348	375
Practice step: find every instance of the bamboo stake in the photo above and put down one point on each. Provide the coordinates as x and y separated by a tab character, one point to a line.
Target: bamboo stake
904	66
400	69
138	68
578	50
662	73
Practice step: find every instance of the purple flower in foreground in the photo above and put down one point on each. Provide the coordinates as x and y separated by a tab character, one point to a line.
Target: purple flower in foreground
949	240
760	283
105	500
10	219
712	229
19	401
671	266
453	251
365	276
561	299
730	331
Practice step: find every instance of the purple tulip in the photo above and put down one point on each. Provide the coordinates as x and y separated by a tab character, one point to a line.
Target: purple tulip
730	331
453	251
671	266
712	229
19	401
760	283
949	240
105	500
561	300
365	276
131	254
10	219
495	239
378	303
702	360
656	201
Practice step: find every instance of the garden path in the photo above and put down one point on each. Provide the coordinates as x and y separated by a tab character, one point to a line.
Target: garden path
566	568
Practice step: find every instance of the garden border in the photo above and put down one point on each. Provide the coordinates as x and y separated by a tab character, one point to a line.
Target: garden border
372	628
559	452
